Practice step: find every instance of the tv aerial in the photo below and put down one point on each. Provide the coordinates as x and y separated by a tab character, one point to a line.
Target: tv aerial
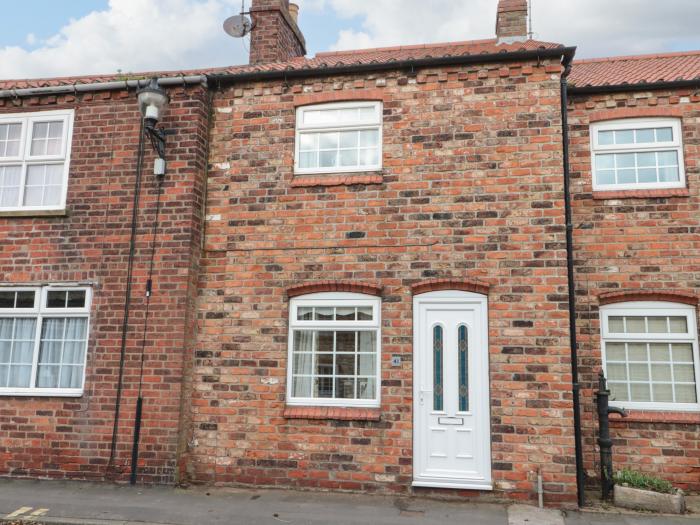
239	25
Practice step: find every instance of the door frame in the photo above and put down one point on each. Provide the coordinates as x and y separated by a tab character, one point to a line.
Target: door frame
454	297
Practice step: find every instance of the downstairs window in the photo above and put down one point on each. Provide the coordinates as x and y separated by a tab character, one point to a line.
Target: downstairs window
650	352
43	340
334	357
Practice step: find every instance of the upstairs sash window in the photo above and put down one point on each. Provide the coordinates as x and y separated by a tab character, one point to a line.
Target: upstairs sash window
339	138
637	154
34	160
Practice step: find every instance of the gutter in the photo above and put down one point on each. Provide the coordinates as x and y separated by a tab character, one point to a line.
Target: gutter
642	86
229	78
102	86
573	342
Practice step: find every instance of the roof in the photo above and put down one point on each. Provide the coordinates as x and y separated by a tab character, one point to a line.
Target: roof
386	55
640	69
598	72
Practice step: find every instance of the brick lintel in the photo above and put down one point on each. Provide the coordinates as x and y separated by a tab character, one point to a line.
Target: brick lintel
464	285
334	286
647	295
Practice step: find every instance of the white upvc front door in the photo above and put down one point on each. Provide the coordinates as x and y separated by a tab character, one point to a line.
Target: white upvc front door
451	433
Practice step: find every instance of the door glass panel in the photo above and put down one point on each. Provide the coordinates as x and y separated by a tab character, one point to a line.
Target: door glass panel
463	364
437	368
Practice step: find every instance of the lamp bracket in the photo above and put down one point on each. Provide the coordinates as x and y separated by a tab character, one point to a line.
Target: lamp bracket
157	137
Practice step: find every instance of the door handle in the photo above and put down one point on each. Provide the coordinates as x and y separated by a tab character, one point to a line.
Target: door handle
422	393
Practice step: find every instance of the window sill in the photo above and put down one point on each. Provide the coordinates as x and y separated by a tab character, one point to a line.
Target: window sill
337	413
34	213
648	416
337	179
641	194
24	392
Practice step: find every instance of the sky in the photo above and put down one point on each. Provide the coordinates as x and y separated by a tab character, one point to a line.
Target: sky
49	38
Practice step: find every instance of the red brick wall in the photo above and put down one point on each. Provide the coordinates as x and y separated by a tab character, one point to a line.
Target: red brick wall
70	437
628	243
471	190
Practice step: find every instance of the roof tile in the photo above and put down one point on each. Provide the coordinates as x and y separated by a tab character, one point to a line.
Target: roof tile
592	72
667	67
385	55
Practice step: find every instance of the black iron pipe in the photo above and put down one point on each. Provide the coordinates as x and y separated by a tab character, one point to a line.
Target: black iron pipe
573	341
127	297
605	443
137	436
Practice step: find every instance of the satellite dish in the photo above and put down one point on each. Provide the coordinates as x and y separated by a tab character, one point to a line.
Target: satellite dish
237	26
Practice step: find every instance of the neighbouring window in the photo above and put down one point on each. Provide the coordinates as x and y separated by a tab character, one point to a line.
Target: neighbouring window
650	352
34	158
637	154
43	340
339	137
334	341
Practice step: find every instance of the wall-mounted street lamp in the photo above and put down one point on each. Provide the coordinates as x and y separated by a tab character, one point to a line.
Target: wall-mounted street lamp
152	102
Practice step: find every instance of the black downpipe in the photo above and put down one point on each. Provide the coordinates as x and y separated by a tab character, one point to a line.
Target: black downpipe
575	386
127	296
135	446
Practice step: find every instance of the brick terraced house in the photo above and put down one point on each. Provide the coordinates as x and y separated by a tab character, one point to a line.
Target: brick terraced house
390	270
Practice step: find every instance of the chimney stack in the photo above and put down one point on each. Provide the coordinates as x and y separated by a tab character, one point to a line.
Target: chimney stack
511	23
275	37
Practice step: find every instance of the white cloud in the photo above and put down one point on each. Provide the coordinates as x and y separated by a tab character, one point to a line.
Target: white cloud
389	22
597	27
619	27
133	35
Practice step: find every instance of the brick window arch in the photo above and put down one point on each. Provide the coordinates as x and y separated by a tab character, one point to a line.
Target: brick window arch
334	286
463	285
670	296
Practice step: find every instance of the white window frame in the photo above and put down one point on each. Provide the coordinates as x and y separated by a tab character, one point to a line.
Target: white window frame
302	128
40	312
652	308
638	123
337	299
24	159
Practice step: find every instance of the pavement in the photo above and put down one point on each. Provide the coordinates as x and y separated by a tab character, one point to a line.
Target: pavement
81	503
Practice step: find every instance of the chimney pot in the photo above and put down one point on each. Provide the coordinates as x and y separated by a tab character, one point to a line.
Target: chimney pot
511	21
294	12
